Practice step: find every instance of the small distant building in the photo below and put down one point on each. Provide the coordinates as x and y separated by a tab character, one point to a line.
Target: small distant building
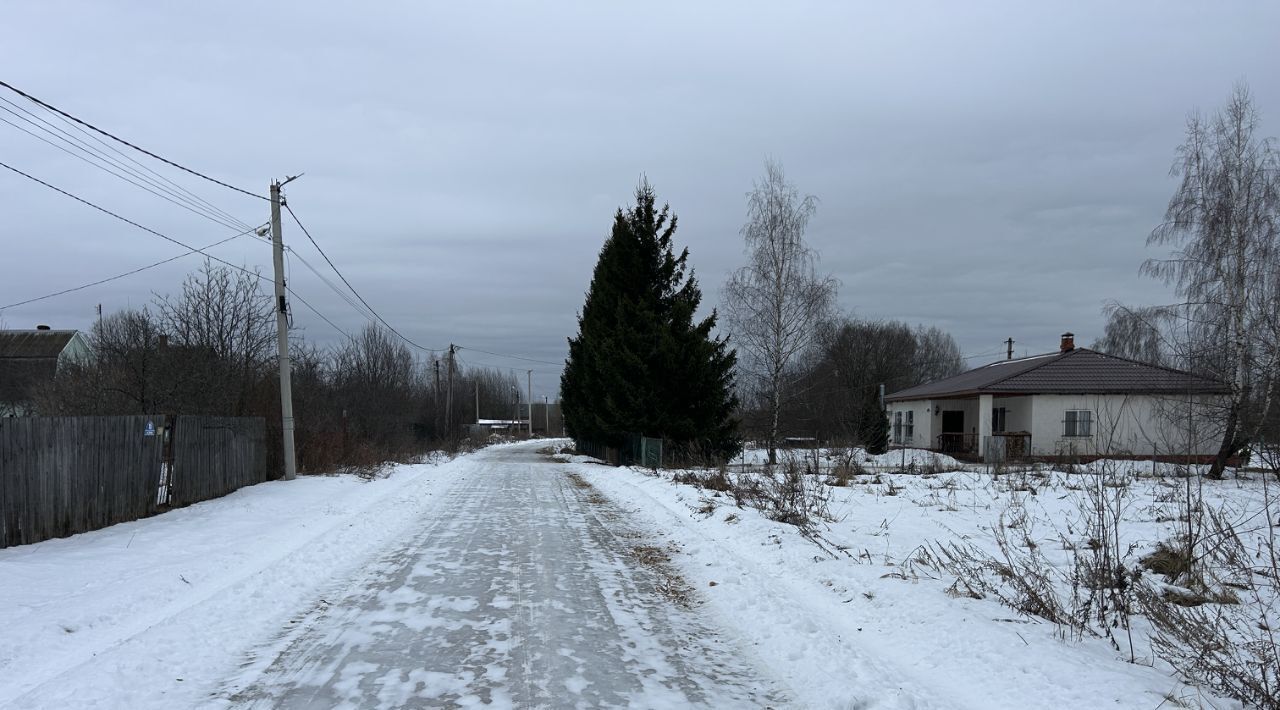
1072	403
30	358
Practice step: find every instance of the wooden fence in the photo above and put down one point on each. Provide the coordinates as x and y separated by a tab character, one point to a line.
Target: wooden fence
64	475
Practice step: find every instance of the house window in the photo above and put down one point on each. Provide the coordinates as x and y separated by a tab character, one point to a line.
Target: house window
910	427
1079	422
998	419
897	426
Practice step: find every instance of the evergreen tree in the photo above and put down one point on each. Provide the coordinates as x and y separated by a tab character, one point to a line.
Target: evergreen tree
873	428
641	363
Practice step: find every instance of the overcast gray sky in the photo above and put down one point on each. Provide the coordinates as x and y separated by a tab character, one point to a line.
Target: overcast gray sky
992	169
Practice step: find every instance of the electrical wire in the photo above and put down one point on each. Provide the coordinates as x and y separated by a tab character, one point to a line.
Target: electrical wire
126	220
341	294
154	178
513	370
193	197
313	309
138	270
376	315
189	208
512	357
166	237
144	151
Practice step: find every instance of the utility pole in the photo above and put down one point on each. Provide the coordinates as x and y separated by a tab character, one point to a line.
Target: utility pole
436	400
1009	352
477	400
529	374
448	407
282	334
546	412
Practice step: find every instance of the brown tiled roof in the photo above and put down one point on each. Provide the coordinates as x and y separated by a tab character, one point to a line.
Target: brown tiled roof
1078	371
34	343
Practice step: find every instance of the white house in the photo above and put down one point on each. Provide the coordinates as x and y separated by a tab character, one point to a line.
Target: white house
1072	403
29	358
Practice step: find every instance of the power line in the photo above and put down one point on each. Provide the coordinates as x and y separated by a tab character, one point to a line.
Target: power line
289	251
196	199
144	151
512	357
116	174
126	220
313	309
166	237
140	269
159	181
494	366
348	283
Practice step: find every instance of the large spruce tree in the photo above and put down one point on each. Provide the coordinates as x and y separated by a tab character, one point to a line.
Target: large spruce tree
641	363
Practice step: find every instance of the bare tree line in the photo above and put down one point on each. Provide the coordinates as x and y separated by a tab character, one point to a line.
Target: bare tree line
210	349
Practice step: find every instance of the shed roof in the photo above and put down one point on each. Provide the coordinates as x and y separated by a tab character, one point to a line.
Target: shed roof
34	343
27	358
1077	371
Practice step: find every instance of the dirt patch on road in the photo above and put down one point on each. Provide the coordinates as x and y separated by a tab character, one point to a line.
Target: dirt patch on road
669	583
650	555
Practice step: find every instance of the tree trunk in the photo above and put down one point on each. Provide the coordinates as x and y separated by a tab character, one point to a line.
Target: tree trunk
776	402
1229	444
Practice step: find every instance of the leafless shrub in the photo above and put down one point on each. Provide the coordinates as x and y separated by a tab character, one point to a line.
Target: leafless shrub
933	465
1019	578
714	480
1213	612
788	493
845	468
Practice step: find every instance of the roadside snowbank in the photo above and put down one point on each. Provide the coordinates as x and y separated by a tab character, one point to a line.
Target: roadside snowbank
860	630
152	613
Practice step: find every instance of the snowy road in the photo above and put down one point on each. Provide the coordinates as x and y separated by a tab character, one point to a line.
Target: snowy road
525	589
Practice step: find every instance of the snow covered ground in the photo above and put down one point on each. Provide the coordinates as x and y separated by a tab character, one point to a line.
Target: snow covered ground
864	627
896	459
527	589
155	612
504	578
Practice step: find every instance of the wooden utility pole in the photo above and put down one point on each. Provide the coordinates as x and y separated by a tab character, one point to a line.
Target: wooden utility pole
282	334
529	374
477	400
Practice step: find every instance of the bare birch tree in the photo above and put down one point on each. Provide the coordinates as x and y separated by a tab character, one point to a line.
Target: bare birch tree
1138	333
774	304
1222	225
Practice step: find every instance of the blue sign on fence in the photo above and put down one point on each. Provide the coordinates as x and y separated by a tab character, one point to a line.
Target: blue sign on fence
150	430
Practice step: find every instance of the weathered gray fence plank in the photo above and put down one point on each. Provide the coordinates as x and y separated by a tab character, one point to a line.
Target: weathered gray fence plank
64	475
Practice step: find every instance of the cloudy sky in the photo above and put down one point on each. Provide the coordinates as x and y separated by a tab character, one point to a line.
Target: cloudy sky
992	169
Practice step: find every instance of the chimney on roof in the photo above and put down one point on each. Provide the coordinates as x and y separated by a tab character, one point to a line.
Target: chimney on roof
42	326
1068	342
